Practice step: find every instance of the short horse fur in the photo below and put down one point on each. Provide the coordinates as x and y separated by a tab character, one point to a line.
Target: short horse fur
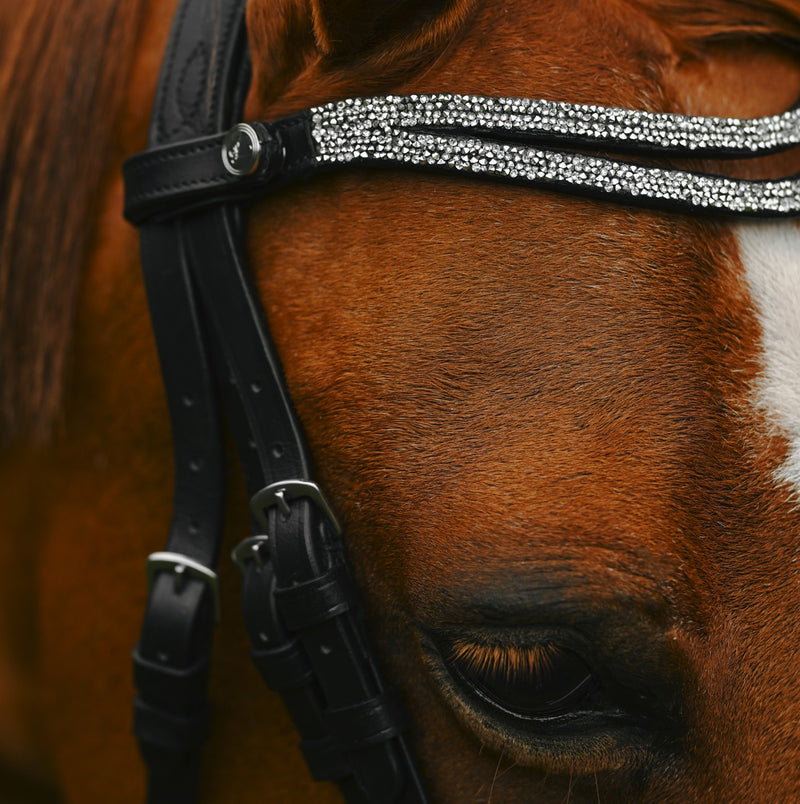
531	411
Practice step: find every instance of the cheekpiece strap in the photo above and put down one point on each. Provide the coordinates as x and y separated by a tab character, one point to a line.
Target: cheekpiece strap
198	92
299	603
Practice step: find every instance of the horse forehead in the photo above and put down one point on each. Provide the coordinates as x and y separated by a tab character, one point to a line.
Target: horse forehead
509	338
503	383
477	296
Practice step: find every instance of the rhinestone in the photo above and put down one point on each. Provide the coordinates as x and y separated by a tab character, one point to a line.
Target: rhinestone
384	129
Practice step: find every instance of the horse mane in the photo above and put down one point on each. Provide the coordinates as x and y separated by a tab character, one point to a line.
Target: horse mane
62	80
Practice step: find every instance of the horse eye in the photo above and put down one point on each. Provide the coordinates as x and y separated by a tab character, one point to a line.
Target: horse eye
536	682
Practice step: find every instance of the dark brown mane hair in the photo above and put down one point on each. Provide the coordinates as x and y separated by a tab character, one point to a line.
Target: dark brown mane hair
62	79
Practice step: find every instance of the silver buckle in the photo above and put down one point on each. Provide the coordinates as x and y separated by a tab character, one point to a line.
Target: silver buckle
279	494
248	550
182	566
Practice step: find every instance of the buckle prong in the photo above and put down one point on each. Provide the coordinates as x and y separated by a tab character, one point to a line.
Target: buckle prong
180	573
280	494
249	550
280	497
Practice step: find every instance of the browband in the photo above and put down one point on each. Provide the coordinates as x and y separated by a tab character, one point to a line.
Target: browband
498	138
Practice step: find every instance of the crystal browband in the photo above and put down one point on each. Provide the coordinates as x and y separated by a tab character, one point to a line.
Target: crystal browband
519	140
675	133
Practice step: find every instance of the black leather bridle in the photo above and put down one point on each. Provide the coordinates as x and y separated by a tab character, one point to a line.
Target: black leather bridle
186	193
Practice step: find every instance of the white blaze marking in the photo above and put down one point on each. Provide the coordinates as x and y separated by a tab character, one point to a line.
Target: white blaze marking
770	253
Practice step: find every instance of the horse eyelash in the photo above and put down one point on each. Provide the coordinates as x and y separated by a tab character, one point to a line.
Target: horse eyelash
510	661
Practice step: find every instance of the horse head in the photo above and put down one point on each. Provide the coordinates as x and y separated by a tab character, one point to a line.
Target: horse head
562	434
557	429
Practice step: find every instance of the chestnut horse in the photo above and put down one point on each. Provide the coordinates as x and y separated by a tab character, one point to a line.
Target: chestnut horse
562	433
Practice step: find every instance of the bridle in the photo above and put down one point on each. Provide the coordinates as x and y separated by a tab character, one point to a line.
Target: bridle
186	193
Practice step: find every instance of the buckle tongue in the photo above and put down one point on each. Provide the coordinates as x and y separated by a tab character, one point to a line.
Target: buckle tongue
280	494
249	550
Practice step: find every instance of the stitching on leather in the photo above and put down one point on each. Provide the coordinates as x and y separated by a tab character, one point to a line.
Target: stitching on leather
188	107
209	181
173	52
147	160
215	88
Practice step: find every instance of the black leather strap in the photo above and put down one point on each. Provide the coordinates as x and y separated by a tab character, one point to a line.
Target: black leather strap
533	143
176	631
199	89
171	180
351	729
367	722
299	604
315	601
285	667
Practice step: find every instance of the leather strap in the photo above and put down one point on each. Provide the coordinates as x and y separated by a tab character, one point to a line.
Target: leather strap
167	182
298	601
315	601
199	87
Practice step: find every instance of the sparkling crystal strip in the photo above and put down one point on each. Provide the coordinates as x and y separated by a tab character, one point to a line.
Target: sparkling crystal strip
338	145
524	116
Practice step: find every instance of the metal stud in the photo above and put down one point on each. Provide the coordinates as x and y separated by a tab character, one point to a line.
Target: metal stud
241	150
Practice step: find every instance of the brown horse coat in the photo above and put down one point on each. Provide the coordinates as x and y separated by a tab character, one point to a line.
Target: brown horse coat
535	414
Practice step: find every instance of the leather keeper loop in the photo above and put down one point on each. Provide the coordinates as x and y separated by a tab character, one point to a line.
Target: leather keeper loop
368	722
315	601
325	760
168	180
298	144
181	688
283	668
154	726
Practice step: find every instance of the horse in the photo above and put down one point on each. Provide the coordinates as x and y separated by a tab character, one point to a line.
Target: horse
562	434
